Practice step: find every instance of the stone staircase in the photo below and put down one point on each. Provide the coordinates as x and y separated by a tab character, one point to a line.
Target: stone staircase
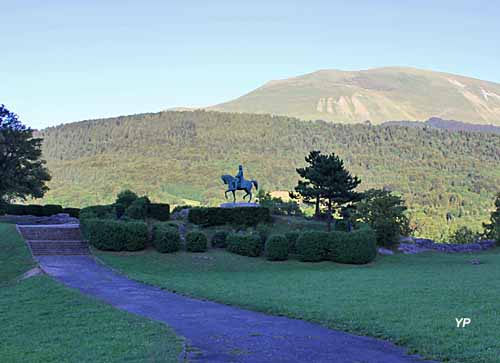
46	240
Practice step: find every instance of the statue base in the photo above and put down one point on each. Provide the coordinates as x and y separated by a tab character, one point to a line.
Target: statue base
239	205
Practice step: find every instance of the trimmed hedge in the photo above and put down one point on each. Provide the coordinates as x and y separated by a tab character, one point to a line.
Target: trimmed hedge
15	209
357	247
111	235
73	212
246	245
312	246
33	210
219	239
277	248
159	211
166	238
196	242
249	216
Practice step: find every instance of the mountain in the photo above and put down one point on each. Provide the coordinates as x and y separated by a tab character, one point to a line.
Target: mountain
178	157
378	95
450	125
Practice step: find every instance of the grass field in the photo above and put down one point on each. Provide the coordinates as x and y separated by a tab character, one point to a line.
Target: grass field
412	300
43	321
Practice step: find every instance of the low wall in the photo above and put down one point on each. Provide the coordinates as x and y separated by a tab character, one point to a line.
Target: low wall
417	245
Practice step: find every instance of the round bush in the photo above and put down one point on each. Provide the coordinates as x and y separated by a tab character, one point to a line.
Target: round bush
126	198
358	247
196	242
219	239
138	209
292	237
166	238
312	246
277	248
246	245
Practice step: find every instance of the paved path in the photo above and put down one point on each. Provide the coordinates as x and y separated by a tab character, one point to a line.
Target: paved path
220	333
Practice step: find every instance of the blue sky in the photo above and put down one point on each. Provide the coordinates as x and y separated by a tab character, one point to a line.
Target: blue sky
65	61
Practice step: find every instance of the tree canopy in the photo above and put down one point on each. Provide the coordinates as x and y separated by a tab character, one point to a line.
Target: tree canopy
22	172
329	180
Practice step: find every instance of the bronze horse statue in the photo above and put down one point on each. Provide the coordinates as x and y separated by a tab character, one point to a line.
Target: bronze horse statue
233	186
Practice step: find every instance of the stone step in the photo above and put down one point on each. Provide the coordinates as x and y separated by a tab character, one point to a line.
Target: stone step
50	233
60	253
62	247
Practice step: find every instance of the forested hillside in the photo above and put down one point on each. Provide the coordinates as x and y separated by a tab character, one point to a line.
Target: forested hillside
448	178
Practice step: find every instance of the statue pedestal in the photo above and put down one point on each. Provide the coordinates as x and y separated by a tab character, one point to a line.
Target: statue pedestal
239	205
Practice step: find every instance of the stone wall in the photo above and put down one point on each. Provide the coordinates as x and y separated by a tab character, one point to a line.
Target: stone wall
417	245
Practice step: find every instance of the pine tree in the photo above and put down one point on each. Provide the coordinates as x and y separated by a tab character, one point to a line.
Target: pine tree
333	183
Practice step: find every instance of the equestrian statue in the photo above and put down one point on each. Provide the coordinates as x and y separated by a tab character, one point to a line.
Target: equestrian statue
238	182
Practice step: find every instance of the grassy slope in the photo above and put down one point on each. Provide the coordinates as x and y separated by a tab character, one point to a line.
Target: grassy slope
15	257
411	300
42	321
379	95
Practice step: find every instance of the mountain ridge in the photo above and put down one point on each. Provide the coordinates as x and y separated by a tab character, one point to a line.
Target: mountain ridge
376	94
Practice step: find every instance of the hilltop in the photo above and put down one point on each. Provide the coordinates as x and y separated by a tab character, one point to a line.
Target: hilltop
178	157
378	95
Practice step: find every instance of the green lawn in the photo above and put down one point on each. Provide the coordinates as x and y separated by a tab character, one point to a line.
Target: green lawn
43	321
15	257
411	300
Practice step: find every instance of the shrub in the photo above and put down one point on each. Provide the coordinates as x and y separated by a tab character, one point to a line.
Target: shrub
385	213
492	229
166	238
126	198
111	235
263	230
357	247
291	238
34	210
51	209
219	239
15	209
312	246
159	211
138	209
463	235
73	212
277	248
196	242
97	211
245	245
277	205
249	216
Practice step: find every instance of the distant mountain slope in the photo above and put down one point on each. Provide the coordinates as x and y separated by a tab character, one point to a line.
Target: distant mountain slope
378	95
179	156
449	125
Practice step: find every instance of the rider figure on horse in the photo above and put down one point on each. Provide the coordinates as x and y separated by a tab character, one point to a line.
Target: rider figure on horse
238	177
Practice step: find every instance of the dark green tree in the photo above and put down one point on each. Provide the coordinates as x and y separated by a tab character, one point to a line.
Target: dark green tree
305	190
385	213
492	229
331	180
22	172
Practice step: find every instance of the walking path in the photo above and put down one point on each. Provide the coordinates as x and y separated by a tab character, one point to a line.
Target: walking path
219	333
